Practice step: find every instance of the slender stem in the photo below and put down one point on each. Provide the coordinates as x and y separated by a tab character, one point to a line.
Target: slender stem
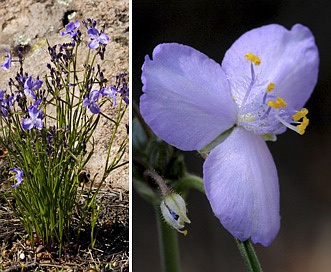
248	254
159	181
168	245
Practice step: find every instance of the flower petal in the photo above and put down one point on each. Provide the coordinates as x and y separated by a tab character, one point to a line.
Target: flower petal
27	124
93	44
242	186
94	107
289	59
186	98
39	124
7	63
103	38
93	33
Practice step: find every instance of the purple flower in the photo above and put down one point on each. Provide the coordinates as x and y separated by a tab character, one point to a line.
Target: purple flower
110	92
193	103
124	91
122	87
31	86
18	176
71	29
5	102
7	63
91	102
35	119
96	38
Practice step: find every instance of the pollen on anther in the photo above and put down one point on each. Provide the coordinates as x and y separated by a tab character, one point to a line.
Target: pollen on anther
270	87
300	114
253	58
302	127
277	104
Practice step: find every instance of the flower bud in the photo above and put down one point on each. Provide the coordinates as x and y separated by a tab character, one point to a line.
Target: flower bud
173	208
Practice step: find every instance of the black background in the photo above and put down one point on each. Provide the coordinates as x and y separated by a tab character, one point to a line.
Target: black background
303	162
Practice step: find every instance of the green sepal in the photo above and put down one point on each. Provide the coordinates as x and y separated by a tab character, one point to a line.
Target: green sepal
218	140
269	137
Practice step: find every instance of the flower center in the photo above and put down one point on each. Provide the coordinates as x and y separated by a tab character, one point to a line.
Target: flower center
265	113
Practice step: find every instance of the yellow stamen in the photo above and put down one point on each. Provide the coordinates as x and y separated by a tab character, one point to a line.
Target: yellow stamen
277	104
270	87
302	127
253	58
300	114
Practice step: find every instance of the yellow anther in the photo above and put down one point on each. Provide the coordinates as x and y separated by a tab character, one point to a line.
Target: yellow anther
281	102
300	114
277	104
253	58
302	127
270	87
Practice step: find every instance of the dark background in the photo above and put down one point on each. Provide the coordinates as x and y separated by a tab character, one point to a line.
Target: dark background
303	162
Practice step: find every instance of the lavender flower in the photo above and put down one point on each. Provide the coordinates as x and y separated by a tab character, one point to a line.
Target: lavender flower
91	102
124	91
193	103
96	38
5	102
31	86
122	87
71	29
18	176
7	63
110	92
35	119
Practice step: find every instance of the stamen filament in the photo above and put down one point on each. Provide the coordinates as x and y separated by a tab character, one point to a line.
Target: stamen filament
261	118
250	85
301	128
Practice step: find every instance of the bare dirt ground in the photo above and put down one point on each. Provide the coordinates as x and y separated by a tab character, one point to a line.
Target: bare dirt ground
30	23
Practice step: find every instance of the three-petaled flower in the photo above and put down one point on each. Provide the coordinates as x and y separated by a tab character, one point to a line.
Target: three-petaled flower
96	38
18	176
31	86
5	102
70	29
36	115
193	103
91	102
110	92
7	62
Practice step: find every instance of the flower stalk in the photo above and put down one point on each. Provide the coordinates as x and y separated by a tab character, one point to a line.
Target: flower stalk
168	241
249	256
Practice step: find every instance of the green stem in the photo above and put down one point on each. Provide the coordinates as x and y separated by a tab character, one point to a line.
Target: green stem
248	254
168	245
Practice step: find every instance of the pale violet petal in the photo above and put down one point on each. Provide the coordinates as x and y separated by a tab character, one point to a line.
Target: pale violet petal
27	124
103	38
186	100
242	187
289	59
93	44
93	33
39	124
